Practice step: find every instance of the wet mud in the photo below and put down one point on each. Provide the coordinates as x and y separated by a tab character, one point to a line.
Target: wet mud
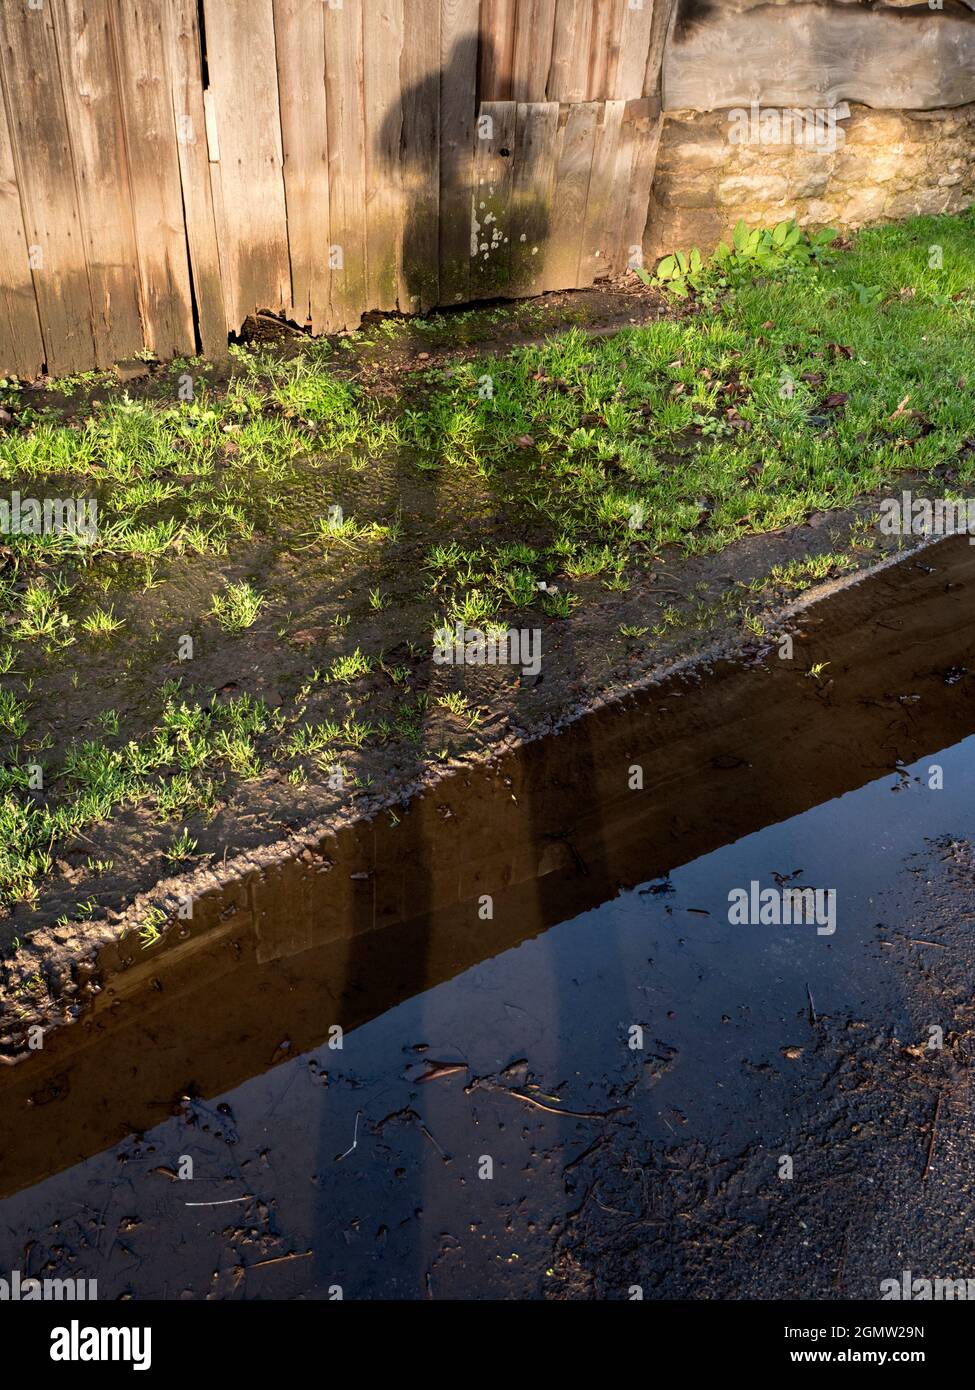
403	1062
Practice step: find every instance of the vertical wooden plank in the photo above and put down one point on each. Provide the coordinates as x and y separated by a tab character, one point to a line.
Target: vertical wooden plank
493	178
420	68
569	75
532	50
244	87
662	20
642	127
182	39
154	183
535	160
619	198
383	32
21	345
299	41
458	84
634	50
599	237
42	158
346	162
91	99
647	124
497	41
571	195
604	47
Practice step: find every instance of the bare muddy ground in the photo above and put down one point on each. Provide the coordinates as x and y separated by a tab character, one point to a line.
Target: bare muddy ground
783	1127
377	358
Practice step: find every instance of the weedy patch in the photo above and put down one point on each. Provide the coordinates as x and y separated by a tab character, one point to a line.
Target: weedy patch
561	483
237	607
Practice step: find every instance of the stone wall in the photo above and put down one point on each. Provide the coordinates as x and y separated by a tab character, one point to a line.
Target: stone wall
886	165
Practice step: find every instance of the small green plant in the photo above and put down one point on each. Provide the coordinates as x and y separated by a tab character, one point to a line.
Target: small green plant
237	607
239	753
355	732
559	605
9	392
345	528
349	668
183	847
713	427
519	588
150	929
41	617
785	247
102	621
680	273
12	719
459	706
765	249
473	609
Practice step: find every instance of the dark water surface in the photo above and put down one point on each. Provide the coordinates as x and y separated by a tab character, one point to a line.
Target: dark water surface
485	1128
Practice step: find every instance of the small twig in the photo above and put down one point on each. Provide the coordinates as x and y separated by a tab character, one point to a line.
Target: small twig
551	1109
282	1259
812	1006
228	1201
355	1139
586	1153
424	1130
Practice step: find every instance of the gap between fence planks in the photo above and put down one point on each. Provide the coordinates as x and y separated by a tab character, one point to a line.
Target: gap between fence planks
183	46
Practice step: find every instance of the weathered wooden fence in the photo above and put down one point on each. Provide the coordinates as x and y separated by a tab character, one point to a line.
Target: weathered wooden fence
168	167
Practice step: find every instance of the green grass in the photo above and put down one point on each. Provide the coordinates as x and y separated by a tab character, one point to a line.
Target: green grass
349	668
182	847
165	768
237	607
766	398
102	622
715	426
